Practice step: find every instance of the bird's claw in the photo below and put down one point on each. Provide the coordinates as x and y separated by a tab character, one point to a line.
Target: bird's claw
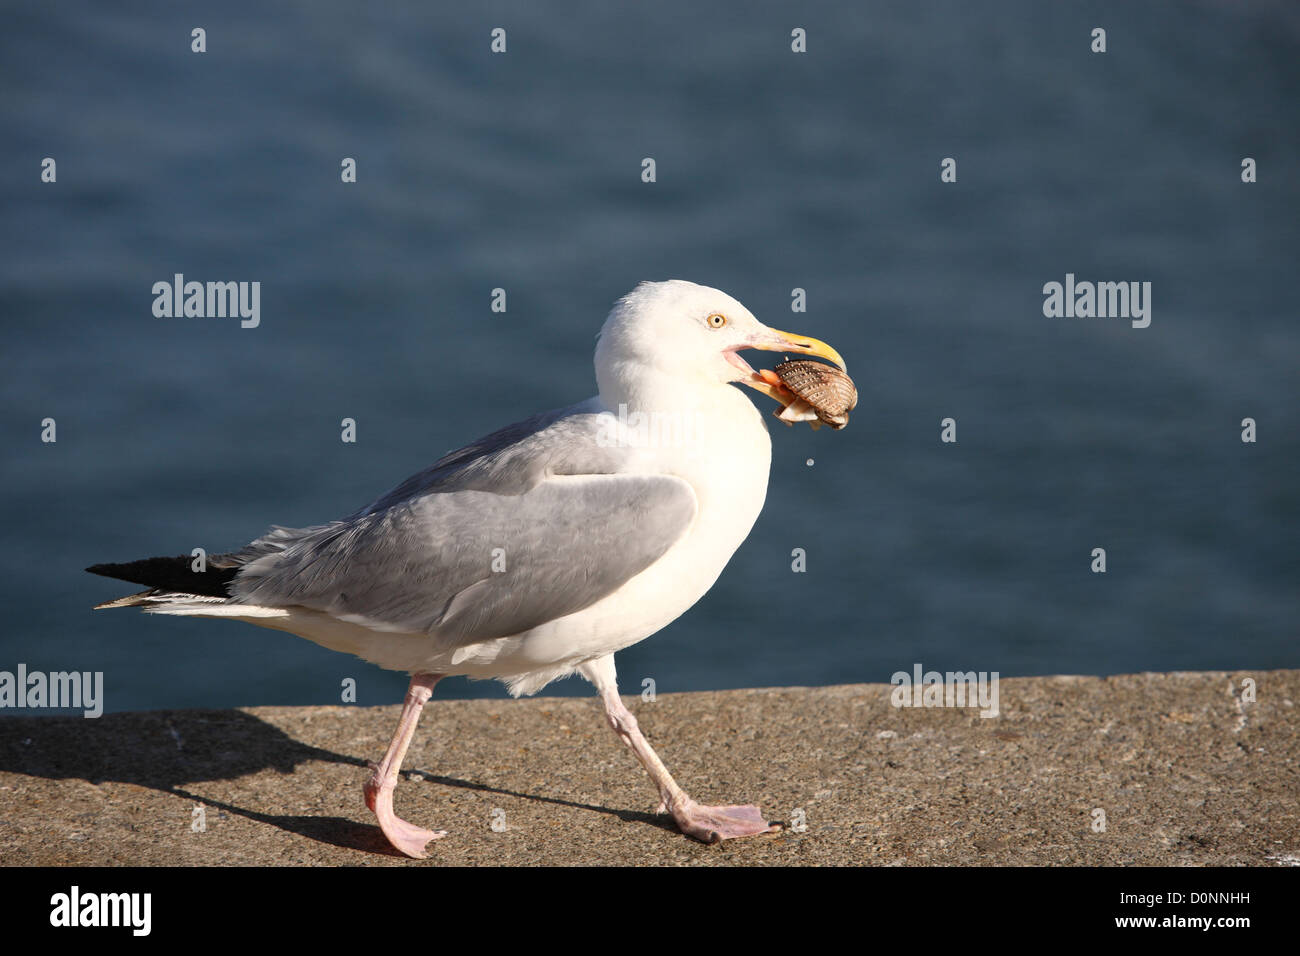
406	837
715	824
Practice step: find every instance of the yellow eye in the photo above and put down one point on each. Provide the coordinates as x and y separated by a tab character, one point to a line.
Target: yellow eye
717	320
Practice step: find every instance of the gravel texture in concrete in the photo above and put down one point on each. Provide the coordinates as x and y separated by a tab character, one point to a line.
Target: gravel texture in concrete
1145	769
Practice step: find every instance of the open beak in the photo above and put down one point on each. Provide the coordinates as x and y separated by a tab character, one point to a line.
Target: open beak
774	340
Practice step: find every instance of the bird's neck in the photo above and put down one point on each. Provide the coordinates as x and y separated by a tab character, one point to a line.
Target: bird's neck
662	410
650	392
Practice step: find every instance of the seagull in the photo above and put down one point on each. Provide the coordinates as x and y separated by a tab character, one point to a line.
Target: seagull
540	550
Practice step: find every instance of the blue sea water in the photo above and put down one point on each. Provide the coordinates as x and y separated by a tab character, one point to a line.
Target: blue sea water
775	170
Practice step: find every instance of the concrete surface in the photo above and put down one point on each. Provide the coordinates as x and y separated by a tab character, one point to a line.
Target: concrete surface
1185	771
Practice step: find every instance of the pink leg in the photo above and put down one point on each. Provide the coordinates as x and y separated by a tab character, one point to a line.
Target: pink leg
710	824
406	837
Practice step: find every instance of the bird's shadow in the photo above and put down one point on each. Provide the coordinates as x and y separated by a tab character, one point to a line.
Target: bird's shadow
171	751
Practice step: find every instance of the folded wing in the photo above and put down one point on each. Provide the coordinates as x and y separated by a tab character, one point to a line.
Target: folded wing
535	524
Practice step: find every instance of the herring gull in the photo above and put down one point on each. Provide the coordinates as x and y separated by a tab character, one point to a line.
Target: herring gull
537	551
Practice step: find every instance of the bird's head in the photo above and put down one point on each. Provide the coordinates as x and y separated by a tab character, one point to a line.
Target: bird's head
691	333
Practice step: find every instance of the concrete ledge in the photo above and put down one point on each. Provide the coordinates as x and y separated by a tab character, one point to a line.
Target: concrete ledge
1185	772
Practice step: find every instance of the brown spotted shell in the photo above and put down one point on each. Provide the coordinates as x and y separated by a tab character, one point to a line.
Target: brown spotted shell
830	392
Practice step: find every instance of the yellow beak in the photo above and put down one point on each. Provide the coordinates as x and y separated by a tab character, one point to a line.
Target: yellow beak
777	341
790	342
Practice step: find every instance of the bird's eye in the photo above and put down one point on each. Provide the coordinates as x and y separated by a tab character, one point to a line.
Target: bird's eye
717	320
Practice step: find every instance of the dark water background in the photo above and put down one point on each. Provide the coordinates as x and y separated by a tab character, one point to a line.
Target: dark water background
775	170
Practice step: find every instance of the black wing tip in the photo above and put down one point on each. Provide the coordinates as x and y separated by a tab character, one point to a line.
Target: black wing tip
172	574
116	570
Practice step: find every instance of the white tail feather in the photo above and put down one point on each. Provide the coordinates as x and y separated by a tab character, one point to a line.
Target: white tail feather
194	605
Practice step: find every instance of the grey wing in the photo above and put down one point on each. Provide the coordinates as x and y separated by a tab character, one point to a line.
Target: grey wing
516	458
472	564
